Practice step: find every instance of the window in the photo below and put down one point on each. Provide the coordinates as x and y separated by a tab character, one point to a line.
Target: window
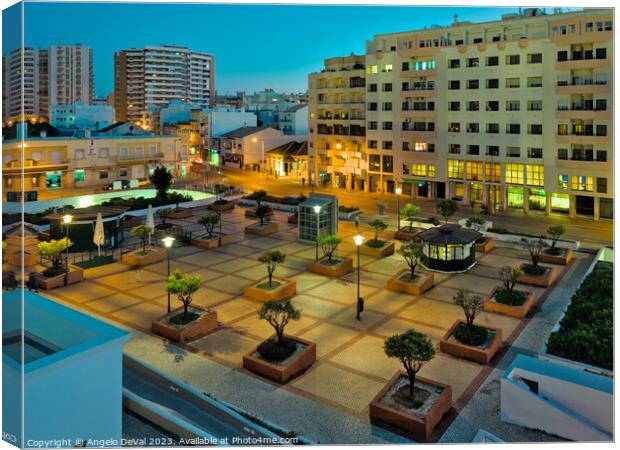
513	152
372	106
601	130
79	153
387	125
563	55
534	82
103	175
473	127
418	170
513	128
563	182
492	61
534	128
535	175
372	87
492	172
386	145
493	128
601	155
474	170
492	150
423	65
372	125
123	172
513	105
430	170
514	173
535	152
534	58
104	152
454	63
513	83
601	105
372	68
386	67
78	175
406	147
473	106
473	84
534	105
56	156
455	127
388	162
140	152
372	144
152	149
374	163
493	83
473	149
454	84
581	183
473	62
601	185
455	149
601	53
563	153
454	106
455	168
512	60
386	106
387	87
36	156
405	66
124	152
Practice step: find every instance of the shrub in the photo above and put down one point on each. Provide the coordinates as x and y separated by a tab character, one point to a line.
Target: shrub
278	315
271	259
509	276
446	208
161	179
163	215
142	231
534	248
262	211
329	244
410	213
257	196
209	221
514	298
555	232
183	286
471	304
176	198
412	349
473	335
475	223
53	252
379	226
411	252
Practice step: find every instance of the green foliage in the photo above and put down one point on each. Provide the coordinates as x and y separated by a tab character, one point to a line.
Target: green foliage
412	349
176	198
509	276
534	248
446	208
329	244
473	335
410	212
470	303
412	252
262	211
475	223
257	196
555	232
379	226
53	251
163	214
505	297
183	286
272	350
271	259
161	179
142	231
209	221
278	315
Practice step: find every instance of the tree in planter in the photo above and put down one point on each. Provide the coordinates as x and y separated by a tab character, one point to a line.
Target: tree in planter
161	179
142	231
412	252
176	198
471	304
183	286
329	244
410	213
446	208
475	223
258	197
413	349
379	226
278	315
261	212
209	221
535	248
555	232
271	259
53	252
163	215
509	276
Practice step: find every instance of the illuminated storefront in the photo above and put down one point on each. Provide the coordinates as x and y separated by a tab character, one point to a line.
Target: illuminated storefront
449	248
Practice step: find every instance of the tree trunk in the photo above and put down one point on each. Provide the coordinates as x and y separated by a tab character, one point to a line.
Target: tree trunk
185	305
411	384
270	276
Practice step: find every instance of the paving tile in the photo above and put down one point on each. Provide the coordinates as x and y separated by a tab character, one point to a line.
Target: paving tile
235	265
83	292
328	337
261	328
386	266
368	320
316	306
306	281
141	315
235	250
432	312
367	355
369	278
131	279
456	372
259	272
205	258
474	283
226	344
397	326
113	302
236	308
341	291
385	301
265	243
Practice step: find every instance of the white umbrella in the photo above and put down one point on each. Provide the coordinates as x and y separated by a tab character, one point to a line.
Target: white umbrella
150	221
99	235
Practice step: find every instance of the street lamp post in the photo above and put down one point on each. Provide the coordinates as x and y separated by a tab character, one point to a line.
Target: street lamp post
168	241
359	239
219	240
398	192
262	151
67	220
317	210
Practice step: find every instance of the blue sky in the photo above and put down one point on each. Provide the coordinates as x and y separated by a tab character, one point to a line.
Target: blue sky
255	46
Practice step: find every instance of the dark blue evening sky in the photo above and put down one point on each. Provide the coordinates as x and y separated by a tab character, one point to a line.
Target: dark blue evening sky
255	46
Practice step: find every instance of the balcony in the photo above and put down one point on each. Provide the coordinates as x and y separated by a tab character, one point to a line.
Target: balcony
139	158
582	138
582	86
582	60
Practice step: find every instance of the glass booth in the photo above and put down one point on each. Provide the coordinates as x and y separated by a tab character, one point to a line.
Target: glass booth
449	248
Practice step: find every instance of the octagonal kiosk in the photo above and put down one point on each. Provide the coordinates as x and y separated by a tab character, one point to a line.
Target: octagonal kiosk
449	248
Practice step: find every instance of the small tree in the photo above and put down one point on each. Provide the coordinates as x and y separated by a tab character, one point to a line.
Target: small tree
163	214
412	349
271	259
209	221
379	226
410	213
555	232
279	314
535	248
412	252
470	303
509	276
261	212
329	244
446	208
176	198
142	231
53	251
161	179
258	196
475	223
183	286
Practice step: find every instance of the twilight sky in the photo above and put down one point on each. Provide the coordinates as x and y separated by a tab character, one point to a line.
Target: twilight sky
255	46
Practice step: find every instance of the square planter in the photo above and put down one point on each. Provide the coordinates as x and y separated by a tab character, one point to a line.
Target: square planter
342	267
422	283
160	232
286	289
405	235
490	305
562	259
386	249
251	213
485	246
182	213
137	259
284	371
544	280
266	229
206	243
482	355
417	426
227	206
206	323
76	274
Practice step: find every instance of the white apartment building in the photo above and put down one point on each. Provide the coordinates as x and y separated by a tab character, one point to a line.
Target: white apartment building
71	76
514	113
294	120
79	116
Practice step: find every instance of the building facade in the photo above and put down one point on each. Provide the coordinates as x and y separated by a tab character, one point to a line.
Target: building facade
158	75
71	77
294	120
515	113
79	116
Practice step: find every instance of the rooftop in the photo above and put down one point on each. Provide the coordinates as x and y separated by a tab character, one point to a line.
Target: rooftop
449	234
244	132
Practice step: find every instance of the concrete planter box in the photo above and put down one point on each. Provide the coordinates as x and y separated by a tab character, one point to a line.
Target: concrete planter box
162	232
251	214
287	289
485	246
348	215
136	259
214	242
228	206
544	280
76	274
343	267
419	428
490	305
379	252
181	333
560	260
405	235
480	355
265	230
422	283
281	373
182	213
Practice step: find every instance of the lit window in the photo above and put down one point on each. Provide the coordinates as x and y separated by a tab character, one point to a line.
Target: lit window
563	182
535	175
78	175
421	147
455	168
430	170
372	68
581	183
474	170
419	170
386	68
424	65
492	172
514	173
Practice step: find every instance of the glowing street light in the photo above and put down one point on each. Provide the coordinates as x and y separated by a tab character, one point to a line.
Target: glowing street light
67	218
168	241
398	192
359	240
317	211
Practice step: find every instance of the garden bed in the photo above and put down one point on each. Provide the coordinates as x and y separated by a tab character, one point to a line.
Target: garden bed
76	274
251	214
221	205
181	213
482	353
378	250
340	266
171	326
265	229
485	245
406	235
210	242
281	289
300	360
543	279
564	256
138	258
415	420
402	282
509	307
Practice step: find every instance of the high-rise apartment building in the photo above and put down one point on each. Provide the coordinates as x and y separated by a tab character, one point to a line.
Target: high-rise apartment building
510	113
60	75
155	76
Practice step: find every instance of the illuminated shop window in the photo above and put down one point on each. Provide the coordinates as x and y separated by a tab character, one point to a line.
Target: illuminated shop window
474	170
455	168
430	170
535	175
514	173
419	170
493	172
581	183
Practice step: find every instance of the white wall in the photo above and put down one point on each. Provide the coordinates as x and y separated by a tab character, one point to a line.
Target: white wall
221	122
